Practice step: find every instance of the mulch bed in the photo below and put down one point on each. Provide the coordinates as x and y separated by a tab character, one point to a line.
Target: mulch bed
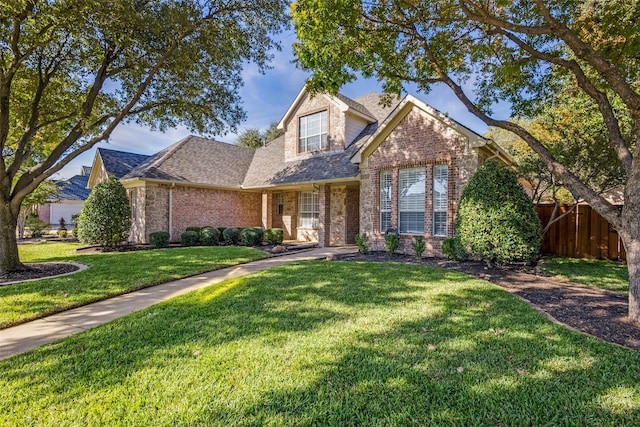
594	311
38	271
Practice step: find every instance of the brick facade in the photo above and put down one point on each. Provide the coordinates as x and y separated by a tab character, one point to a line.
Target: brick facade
417	141
190	206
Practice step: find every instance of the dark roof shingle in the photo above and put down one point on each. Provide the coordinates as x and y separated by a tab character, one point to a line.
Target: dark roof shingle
75	188
119	163
198	161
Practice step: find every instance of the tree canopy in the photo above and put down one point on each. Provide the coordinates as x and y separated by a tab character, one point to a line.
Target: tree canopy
526	53
254	138
72	70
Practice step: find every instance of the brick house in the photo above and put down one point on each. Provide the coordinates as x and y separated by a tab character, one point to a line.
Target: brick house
343	166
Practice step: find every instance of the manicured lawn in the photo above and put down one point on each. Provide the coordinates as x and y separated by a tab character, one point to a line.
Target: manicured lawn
328	343
601	274
109	274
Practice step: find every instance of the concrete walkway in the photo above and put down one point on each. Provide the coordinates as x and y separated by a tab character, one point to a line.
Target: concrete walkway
27	336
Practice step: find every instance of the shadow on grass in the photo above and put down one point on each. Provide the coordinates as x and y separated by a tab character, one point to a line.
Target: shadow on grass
518	368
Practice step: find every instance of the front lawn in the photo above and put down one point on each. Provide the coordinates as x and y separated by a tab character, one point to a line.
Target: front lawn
610	275
110	274
328	343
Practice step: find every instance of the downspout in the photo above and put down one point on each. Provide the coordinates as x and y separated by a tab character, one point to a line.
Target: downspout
171	211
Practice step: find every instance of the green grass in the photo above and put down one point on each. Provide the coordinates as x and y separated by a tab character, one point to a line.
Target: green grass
109	274
609	275
328	343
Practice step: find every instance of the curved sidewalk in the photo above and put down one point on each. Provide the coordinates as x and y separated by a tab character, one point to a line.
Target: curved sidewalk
21	338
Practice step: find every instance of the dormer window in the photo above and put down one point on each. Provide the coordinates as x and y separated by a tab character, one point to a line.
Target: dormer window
313	132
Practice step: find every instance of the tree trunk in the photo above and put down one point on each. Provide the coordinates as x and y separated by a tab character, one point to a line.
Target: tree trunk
9	259
632	247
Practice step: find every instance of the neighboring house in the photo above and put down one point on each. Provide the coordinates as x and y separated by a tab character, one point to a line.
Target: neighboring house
68	201
342	167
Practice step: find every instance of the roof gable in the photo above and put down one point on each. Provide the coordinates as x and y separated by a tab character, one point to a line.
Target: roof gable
344	104
401	110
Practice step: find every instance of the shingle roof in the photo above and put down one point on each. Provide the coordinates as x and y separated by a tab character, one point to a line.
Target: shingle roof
198	161
120	163
75	188
270	168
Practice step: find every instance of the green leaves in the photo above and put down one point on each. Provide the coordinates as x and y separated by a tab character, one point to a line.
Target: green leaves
496	219
105	218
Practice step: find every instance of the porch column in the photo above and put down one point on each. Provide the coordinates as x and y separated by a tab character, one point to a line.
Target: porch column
324	216
267	209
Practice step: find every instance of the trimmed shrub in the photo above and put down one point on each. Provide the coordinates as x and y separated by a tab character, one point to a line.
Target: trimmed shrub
209	236
74	220
391	242
36	226
251	236
105	218
159	239
274	235
62	233
362	241
189	238
196	229
418	246
496	219
452	249
231	236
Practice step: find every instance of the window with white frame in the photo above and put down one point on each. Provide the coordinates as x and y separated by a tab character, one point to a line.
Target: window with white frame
280	203
313	132
309	210
133	201
385	201
411	185
440	199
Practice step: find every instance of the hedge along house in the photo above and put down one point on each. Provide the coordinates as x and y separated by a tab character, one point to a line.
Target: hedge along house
342	167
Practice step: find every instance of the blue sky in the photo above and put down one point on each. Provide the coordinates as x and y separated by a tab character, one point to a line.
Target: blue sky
266	97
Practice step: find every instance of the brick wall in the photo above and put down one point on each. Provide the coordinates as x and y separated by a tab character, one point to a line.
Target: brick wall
417	141
218	208
353	218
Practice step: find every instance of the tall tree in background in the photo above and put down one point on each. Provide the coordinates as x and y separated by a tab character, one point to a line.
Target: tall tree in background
524	52
253	138
72	70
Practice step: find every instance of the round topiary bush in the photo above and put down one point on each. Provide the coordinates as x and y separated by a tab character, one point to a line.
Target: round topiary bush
231	236
189	238
159	239
496	219
251	236
209	236
105	218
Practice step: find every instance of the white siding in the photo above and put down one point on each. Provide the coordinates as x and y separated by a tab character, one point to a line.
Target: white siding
353	128
64	209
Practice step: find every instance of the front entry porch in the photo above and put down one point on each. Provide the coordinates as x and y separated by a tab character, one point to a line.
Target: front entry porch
328	214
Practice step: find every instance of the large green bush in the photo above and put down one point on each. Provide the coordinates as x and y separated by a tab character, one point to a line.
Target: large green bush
231	236
189	238
274	235
496	219
105	218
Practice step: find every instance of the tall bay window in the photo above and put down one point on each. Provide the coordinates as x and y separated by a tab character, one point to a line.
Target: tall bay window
385	200
309	210
313	132
411	189
440	199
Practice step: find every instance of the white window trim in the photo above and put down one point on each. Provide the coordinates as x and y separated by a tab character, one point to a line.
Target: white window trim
385	177
314	210
439	170
306	137
416	209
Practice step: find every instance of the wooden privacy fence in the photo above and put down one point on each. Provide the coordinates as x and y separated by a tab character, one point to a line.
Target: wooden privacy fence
583	233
